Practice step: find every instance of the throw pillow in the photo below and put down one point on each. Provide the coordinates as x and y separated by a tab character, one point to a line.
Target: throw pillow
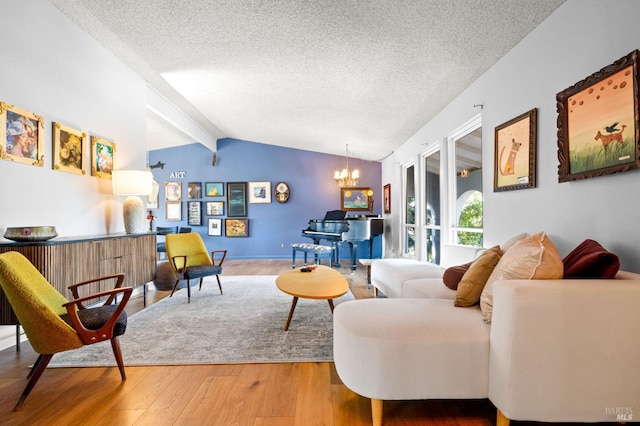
453	275
512	241
473	281
590	260
532	258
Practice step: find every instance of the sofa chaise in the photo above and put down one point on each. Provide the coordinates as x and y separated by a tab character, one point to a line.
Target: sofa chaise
553	350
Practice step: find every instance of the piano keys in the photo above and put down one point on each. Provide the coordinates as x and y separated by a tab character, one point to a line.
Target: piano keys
336	228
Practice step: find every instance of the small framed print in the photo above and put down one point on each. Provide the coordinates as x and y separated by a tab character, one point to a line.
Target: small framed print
173	191
386	191
215	208
21	135
353	198
214	227
236	227
515	153
282	192
214	189
103	157
194	190
237	199
68	149
259	192
195	214
173	211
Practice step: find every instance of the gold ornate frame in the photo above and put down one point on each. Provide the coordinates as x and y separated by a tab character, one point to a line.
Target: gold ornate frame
68	149
28	149
103	157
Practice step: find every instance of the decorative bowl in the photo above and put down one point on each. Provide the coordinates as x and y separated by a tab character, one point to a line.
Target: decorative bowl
31	233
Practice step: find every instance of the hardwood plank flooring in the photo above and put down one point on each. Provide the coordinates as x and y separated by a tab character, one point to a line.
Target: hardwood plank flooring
246	394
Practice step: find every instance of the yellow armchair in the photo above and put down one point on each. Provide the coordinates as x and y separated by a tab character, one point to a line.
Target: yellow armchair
190	259
54	324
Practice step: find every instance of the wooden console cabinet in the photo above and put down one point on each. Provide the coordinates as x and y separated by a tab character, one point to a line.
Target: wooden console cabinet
67	261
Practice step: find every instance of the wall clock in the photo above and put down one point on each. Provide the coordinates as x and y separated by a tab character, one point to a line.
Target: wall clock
281	192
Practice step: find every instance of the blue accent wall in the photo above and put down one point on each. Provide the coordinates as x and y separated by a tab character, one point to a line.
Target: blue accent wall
308	174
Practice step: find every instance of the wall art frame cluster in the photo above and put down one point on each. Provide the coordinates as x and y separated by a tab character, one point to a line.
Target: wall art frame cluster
599	124
22	140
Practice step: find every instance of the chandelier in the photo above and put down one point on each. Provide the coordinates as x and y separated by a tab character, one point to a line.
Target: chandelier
345	177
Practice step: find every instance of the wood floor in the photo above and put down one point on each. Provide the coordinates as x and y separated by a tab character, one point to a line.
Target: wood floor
246	394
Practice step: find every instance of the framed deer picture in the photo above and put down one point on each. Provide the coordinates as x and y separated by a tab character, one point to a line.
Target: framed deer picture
598	122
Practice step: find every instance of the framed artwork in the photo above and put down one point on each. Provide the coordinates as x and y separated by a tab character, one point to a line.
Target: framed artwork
515	153
236	227
68	149
215	208
214	189
21	135
236	199
194	190
173	211
598	122
214	227
194	217
355	198
173	191
259	192
282	192
386	194
103	157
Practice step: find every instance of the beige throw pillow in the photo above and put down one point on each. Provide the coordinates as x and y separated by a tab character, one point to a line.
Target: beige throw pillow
473	281
532	258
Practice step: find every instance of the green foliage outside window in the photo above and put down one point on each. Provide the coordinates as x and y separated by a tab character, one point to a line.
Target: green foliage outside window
471	217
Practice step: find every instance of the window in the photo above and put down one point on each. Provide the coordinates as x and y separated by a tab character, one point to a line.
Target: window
432	216
465	185
409	217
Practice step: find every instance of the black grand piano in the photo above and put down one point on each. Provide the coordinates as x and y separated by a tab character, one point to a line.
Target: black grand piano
337	228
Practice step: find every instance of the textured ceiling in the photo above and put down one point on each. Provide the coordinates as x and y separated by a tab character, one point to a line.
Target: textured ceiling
314	75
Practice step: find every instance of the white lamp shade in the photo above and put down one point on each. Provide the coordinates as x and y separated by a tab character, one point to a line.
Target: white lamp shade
132	182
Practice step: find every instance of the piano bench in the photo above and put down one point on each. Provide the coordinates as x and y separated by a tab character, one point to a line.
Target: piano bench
315	249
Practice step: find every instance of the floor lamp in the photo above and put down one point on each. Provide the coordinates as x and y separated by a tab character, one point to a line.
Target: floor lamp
133	183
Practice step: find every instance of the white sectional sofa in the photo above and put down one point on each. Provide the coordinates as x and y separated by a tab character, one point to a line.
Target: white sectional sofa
557	350
411	278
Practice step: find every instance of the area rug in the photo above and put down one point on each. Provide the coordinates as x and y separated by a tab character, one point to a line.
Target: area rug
244	325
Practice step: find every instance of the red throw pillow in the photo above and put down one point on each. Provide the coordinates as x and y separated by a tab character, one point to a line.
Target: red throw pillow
590	260
453	275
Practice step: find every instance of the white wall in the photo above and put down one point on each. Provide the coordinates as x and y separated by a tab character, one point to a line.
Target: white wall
52	68
580	38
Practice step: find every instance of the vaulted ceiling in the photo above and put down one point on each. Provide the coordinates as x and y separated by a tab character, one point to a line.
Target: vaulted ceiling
313	75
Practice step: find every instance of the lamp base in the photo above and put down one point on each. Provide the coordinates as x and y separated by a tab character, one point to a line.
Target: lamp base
135	215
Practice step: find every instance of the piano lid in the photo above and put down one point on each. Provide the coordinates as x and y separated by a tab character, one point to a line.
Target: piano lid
335	215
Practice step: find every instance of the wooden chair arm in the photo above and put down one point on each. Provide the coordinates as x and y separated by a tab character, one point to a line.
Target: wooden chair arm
218	253
179	270
119	280
106	331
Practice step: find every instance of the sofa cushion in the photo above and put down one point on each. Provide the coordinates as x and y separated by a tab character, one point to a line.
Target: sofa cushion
590	260
414	349
512	241
532	258
389	275
474	280
427	288
453	275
